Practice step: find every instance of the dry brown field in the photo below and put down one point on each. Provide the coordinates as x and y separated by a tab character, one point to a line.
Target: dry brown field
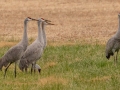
75	20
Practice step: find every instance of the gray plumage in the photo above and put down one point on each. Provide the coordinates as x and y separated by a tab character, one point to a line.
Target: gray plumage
34	65
15	52
44	34
33	51
113	44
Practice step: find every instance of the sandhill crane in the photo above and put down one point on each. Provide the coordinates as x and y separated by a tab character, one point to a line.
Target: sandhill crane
113	44
15	52
35	50
34	65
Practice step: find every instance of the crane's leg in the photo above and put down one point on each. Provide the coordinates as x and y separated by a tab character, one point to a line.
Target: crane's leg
116	56
15	69
32	68
6	69
114	60
26	69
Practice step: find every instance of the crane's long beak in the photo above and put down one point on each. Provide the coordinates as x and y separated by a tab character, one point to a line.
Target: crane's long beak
37	19
47	20
50	23
44	19
34	19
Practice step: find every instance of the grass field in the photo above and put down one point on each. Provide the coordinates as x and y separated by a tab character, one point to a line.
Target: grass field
75	56
67	67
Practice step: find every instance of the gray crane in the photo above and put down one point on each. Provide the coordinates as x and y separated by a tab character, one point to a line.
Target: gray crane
34	65
113	44
35	50
15	52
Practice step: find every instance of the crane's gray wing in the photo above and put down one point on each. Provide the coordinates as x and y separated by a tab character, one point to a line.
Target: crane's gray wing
14	53
110	44
33	52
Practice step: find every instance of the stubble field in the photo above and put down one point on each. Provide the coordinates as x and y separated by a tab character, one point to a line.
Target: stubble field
75	21
74	58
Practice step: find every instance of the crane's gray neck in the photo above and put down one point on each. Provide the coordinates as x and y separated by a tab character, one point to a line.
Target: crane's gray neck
117	35
25	38
40	35
44	34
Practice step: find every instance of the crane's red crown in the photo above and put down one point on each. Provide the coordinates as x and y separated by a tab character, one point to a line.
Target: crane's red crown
29	17
43	18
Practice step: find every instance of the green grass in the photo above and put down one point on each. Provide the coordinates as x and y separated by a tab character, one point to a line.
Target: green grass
69	67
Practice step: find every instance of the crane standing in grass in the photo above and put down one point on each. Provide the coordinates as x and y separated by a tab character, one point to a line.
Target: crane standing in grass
35	50
15	52
37	67
113	44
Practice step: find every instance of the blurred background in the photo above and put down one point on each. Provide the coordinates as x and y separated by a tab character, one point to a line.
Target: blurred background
86	21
